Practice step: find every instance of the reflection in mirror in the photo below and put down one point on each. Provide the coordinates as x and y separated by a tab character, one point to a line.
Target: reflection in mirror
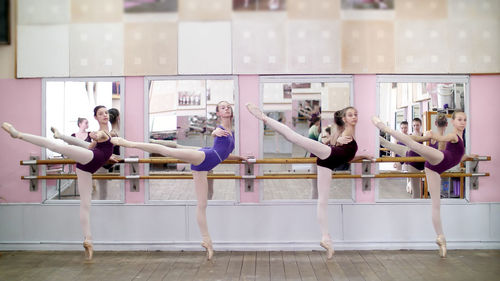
70	109
182	115
307	107
412	108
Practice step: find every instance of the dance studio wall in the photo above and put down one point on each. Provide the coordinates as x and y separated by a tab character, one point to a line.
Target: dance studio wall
96	38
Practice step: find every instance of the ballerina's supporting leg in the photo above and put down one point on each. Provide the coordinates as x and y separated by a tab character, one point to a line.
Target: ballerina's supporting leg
85	189
201	185
191	156
415	183
431	155
434	183
324	181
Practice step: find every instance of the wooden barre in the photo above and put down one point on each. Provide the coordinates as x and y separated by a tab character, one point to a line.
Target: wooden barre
265	176
306	160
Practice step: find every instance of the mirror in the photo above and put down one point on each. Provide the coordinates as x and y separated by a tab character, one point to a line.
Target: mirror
295	102
402	104
67	102
182	114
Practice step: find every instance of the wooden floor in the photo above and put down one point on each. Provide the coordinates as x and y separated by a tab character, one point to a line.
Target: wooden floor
309	265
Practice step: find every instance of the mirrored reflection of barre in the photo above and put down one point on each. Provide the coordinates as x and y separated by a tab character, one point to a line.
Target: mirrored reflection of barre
167	160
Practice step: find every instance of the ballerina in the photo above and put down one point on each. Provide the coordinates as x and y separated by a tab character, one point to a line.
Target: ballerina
89	160
436	163
202	161
329	157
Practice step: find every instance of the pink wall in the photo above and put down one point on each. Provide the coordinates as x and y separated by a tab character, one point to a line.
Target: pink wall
249	127
20	105
485	133
365	101
134	130
26	115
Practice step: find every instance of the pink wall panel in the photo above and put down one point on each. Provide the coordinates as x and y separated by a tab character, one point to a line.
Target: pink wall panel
134	129
484	129
365	102
20	105
249	128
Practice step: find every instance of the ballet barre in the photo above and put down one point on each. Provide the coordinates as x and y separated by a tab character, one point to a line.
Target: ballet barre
249	175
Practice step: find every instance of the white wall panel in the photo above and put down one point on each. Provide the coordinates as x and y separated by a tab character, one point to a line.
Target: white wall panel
248	226
43	12
204	48
43	51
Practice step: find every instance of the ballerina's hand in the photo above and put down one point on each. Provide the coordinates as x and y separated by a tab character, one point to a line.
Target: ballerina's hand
93	135
428	134
114	158
221	132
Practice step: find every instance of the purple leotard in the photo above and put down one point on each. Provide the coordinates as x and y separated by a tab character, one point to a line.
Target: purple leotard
416	165
223	146
339	155
102	151
452	156
87	139
435	145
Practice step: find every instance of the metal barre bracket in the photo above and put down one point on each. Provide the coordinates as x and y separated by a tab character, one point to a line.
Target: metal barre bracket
33	173
249	176
366	176
133	177
474	180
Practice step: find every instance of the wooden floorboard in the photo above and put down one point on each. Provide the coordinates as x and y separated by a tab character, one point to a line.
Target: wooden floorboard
276	266
262	272
248	267
234	267
290	266
460	265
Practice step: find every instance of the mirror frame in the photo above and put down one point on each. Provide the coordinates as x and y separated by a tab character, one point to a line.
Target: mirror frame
147	80
302	79
123	117
465	79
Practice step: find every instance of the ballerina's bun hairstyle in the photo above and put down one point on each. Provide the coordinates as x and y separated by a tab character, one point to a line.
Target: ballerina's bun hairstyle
441	120
80	121
337	118
113	115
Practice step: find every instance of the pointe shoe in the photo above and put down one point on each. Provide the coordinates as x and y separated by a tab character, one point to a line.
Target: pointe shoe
252	108
89	249
209	248
10	129
327	244
441	242
56	133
